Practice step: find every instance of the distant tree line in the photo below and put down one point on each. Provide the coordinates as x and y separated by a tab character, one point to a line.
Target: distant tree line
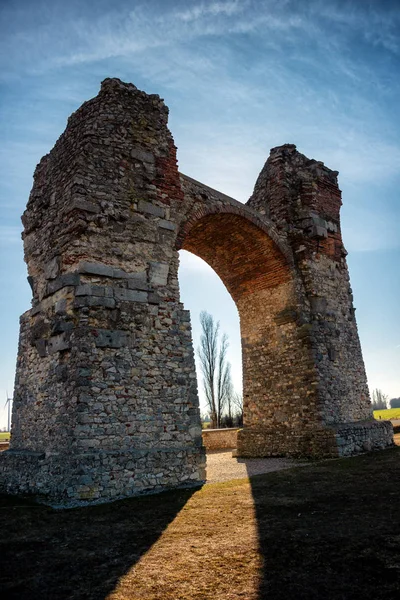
380	400
395	403
224	404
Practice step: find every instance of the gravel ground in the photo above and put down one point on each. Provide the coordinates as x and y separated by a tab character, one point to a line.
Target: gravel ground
222	467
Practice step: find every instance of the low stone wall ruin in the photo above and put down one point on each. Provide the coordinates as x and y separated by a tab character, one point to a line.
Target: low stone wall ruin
220	439
344	439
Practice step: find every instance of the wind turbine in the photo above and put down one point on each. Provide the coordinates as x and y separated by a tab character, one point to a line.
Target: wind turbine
8	401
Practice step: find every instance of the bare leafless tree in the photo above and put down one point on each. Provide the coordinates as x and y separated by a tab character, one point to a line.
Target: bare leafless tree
379	400
215	368
237	403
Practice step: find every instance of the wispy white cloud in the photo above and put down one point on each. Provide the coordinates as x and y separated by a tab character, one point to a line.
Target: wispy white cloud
65	38
378	27
366	160
213	9
236	112
128	32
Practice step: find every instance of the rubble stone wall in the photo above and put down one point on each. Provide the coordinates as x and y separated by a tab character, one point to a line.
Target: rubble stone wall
105	401
106	371
302	197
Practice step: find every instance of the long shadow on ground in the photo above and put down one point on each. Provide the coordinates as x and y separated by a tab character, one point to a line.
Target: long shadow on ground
331	530
327	531
81	553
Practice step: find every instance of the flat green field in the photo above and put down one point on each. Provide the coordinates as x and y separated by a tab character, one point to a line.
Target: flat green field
390	413
4	436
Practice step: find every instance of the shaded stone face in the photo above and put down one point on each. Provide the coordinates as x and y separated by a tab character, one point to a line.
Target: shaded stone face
105	401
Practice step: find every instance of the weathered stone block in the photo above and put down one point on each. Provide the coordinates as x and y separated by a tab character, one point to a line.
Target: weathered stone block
61	373
112	339
90	290
68	279
158	273
305	331
150	209
94	301
138	281
332	353
143	155
153	298
59	326
318	304
52	268
61	306
318	231
166	225
57	343
41	347
92	268
287	315
82	204
130	295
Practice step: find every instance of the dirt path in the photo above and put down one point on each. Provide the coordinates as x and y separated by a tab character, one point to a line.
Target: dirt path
222	467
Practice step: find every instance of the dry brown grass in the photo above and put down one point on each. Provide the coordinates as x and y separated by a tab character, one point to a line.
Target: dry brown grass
213	539
329	530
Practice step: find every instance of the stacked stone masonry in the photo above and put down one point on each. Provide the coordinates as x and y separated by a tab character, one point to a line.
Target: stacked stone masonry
105	401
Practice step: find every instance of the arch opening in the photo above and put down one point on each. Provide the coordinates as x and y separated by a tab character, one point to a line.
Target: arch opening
260	281
244	256
201	289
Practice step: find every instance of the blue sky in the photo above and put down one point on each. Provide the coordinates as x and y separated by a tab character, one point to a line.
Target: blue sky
239	76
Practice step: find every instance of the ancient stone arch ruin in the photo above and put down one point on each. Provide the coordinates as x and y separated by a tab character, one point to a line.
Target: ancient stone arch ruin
105	401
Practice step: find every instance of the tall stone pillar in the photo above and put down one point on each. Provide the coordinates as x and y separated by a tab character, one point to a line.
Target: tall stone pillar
105	402
325	409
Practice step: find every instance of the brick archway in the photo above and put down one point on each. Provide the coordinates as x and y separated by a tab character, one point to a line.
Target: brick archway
242	253
105	400
261	282
228	206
